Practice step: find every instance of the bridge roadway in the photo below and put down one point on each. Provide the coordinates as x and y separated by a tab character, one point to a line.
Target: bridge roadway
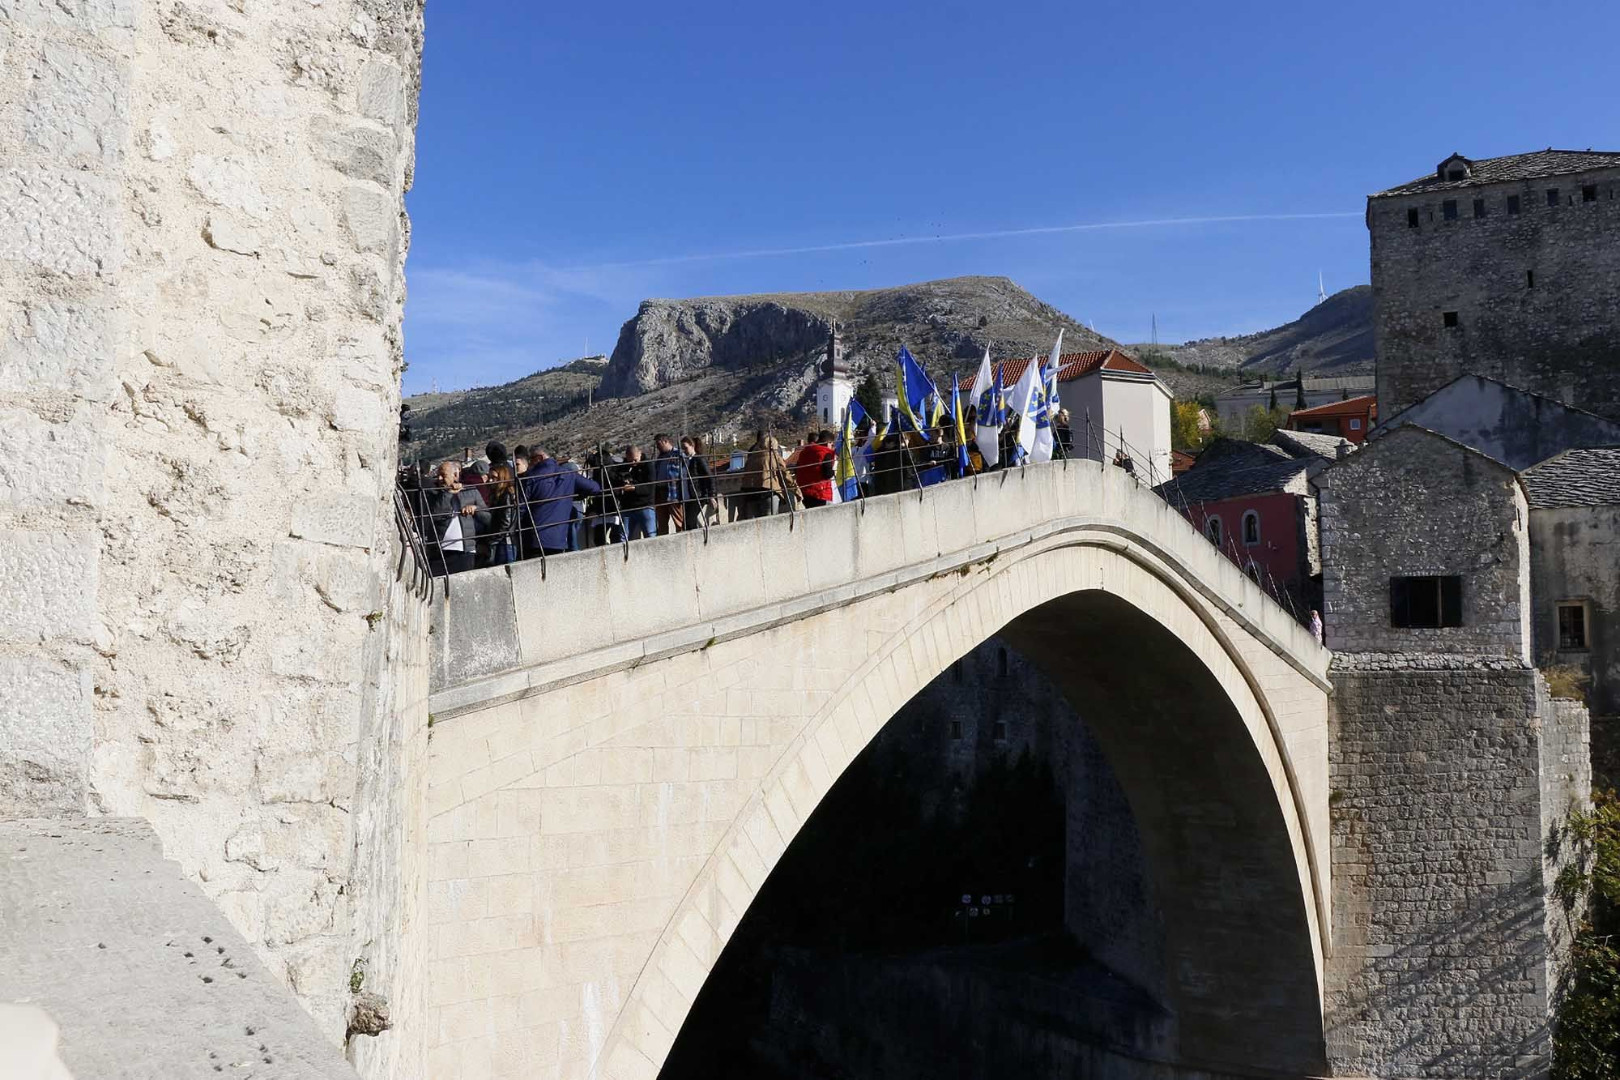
625	741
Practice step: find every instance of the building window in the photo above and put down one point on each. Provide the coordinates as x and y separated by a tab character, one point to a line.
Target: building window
1412	218
1212	529
1456	174
999	732
956	731
1355	423
1479	208
1513	204
1588	193
1572	626
1448	319
1251	527
1552	196
1429	602
1448	209
1529	279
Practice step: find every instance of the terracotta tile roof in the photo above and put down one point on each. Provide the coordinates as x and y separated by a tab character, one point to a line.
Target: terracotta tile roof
1070	366
1533	166
1574	478
1355	406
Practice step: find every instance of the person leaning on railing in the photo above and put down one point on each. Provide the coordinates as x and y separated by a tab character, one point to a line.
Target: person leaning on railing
550	490
456	515
633	483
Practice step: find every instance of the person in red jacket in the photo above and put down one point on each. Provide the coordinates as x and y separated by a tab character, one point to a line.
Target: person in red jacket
814	470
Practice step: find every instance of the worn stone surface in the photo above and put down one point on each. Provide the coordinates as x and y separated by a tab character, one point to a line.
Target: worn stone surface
1416	503
140	971
1447	949
201	278
1556	332
1575	558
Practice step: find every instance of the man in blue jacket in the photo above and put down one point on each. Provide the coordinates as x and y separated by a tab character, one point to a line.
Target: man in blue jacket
551	491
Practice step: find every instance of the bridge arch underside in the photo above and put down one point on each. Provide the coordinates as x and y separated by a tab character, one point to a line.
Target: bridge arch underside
1218	743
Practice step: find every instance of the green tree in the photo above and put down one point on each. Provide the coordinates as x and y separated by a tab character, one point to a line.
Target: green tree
1260	424
1184	430
1586	1044
870	395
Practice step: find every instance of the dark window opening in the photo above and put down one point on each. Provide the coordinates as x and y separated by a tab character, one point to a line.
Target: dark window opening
1513	204
1001	661
1251	528
1429	602
1479	208
1212	529
1588	193
999	732
956	731
1449	319
1529	279
1456	174
1448	209
1552	196
1572	626
1412	218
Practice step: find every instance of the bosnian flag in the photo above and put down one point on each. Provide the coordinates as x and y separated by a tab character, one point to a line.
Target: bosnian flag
989	412
1048	408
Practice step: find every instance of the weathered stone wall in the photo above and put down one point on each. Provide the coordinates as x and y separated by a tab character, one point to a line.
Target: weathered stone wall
1414	503
202	242
1445	783
1574	555
1558	335
1518	429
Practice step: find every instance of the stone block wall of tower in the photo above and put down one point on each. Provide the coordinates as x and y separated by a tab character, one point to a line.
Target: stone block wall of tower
202	242
1530	294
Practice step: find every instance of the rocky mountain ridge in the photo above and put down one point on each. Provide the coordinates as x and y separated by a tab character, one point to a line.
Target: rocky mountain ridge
1334	337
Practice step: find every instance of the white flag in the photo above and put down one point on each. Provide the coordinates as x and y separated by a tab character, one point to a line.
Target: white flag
1024	403
1041	449
987	413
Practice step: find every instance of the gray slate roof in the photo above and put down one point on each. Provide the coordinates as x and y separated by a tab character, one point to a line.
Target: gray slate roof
1574	478
1229	469
1310	442
1497	170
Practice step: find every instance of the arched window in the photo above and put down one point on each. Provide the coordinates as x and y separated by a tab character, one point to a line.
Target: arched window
1212	529
1251	527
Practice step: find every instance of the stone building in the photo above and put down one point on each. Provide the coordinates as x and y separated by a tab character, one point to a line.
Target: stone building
1438	714
1505	267
1516	427
1574	501
1233	405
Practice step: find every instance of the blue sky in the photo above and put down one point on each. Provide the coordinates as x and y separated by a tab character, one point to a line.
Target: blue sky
573	159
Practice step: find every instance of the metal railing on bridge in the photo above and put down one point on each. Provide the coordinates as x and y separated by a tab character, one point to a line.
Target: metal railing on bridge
630	493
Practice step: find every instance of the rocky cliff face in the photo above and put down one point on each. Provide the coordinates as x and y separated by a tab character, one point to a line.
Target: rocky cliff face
1335	336
947	324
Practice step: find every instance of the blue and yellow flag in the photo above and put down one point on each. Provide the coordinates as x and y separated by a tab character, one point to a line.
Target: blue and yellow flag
844	468
959	422
912	389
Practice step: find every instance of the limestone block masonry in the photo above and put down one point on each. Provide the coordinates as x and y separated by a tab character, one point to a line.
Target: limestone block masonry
1532	288
202	242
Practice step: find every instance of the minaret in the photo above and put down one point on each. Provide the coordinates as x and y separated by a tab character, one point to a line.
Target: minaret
834	389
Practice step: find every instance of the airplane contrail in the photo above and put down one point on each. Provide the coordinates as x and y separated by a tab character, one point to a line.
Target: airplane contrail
942	238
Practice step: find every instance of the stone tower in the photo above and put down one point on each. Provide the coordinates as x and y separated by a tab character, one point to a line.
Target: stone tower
202	245
834	388
1506	267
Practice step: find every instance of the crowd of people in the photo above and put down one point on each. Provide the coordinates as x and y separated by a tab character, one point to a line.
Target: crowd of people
528	503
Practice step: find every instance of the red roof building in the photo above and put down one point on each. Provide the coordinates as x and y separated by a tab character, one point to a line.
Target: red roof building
1115	405
1350	419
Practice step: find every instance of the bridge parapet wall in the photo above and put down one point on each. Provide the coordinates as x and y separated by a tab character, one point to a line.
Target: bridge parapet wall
505	632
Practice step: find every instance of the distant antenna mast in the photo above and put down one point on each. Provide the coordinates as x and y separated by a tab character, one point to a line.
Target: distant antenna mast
1321	289
435	386
1155	328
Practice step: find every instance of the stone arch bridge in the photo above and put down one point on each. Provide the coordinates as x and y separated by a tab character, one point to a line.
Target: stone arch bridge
624	742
